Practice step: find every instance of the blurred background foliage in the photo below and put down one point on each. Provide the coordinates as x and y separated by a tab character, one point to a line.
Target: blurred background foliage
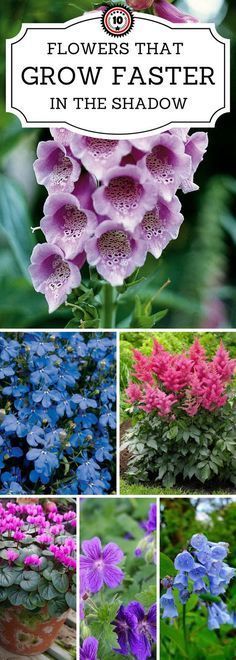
180	519
199	265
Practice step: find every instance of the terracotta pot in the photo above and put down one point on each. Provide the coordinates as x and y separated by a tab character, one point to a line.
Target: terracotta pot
26	633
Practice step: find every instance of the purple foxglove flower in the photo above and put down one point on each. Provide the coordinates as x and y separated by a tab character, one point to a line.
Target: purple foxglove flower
54	168
62	136
160	225
89	649
125	195
99	564
98	155
168	604
84	189
170	13
184	562
115	251
53	275
195	147
66	224
167	163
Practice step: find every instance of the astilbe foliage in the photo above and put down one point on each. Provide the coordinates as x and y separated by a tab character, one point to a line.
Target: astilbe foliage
204	571
185	409
132	626
109	203
38	556
57	417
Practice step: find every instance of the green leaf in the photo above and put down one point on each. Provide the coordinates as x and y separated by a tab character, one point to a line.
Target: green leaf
148	596
177	637
166	566
29	580
152	443
3	595
57	607
15	222
71	600
33	601
60	581
7	578
16	597
47	590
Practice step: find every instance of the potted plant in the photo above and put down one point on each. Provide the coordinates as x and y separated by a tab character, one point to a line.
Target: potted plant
37	573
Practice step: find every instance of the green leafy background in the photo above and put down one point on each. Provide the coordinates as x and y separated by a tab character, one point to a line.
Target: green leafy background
202	291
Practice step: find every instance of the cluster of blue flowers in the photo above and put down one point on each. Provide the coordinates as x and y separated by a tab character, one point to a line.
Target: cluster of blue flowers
57	412
203	571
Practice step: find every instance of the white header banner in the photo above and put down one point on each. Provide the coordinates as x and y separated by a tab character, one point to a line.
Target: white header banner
118	74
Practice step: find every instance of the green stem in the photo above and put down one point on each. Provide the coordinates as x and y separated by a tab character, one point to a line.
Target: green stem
184	628
108	310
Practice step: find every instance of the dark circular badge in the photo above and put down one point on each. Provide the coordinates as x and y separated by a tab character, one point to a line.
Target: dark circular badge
117	20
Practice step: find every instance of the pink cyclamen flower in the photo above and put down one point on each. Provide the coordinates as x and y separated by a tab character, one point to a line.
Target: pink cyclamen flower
55	168
12	555
195	147
99	564
98	154
115	251
161	224
18	536
54	275
32	560
167	163
125	195
170	13
66	224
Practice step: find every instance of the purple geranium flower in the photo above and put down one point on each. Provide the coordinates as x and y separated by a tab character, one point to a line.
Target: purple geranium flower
98	155
99	564
89	649
115	251
125	624
170	13
66	224
160	225
126	194
54	168
167	163
136	630
54	275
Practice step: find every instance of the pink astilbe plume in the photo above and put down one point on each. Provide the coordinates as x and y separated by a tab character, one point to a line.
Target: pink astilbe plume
156	399
142	367
190	380
224	366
